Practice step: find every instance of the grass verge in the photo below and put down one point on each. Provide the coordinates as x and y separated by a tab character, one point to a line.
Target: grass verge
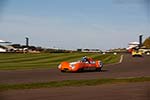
48	60
65	83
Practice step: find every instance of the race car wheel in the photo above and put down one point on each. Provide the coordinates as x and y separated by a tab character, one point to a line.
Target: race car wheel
133	55
99	69
80	70
62	71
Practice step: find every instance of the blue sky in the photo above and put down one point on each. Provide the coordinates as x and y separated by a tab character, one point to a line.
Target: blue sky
73	24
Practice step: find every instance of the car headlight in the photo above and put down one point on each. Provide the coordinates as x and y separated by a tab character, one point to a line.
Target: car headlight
59	66
147	53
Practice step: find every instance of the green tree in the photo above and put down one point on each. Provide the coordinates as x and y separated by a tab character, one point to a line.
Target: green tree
146	43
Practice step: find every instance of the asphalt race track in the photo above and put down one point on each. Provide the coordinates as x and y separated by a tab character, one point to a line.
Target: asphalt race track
130	67
131	91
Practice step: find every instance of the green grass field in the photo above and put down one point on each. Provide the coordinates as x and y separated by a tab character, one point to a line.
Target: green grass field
12	61
66	83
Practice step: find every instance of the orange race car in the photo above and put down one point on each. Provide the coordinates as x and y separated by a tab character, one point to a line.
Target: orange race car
83	65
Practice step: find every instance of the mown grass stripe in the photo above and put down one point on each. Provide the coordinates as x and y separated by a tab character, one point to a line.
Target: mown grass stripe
92	82
89	55
47	58
32	58
32	61
67	57
52	58
14	55
13	58
79	56
111	59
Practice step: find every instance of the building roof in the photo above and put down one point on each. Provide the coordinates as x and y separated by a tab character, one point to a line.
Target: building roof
134	43
2	41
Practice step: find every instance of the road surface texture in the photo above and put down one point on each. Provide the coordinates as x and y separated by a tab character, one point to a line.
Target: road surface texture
130	67
125	91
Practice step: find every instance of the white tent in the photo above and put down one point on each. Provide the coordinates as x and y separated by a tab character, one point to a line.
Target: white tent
3	46
2	50
132	45
2	41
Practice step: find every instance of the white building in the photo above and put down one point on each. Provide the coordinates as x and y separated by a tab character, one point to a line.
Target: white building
132	45
4	46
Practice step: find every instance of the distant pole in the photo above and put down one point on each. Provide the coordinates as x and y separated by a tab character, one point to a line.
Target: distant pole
140	40
27	42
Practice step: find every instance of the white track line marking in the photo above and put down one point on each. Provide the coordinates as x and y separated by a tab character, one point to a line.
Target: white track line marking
120	61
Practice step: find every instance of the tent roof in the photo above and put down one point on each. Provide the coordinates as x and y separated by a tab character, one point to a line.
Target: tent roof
2	41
